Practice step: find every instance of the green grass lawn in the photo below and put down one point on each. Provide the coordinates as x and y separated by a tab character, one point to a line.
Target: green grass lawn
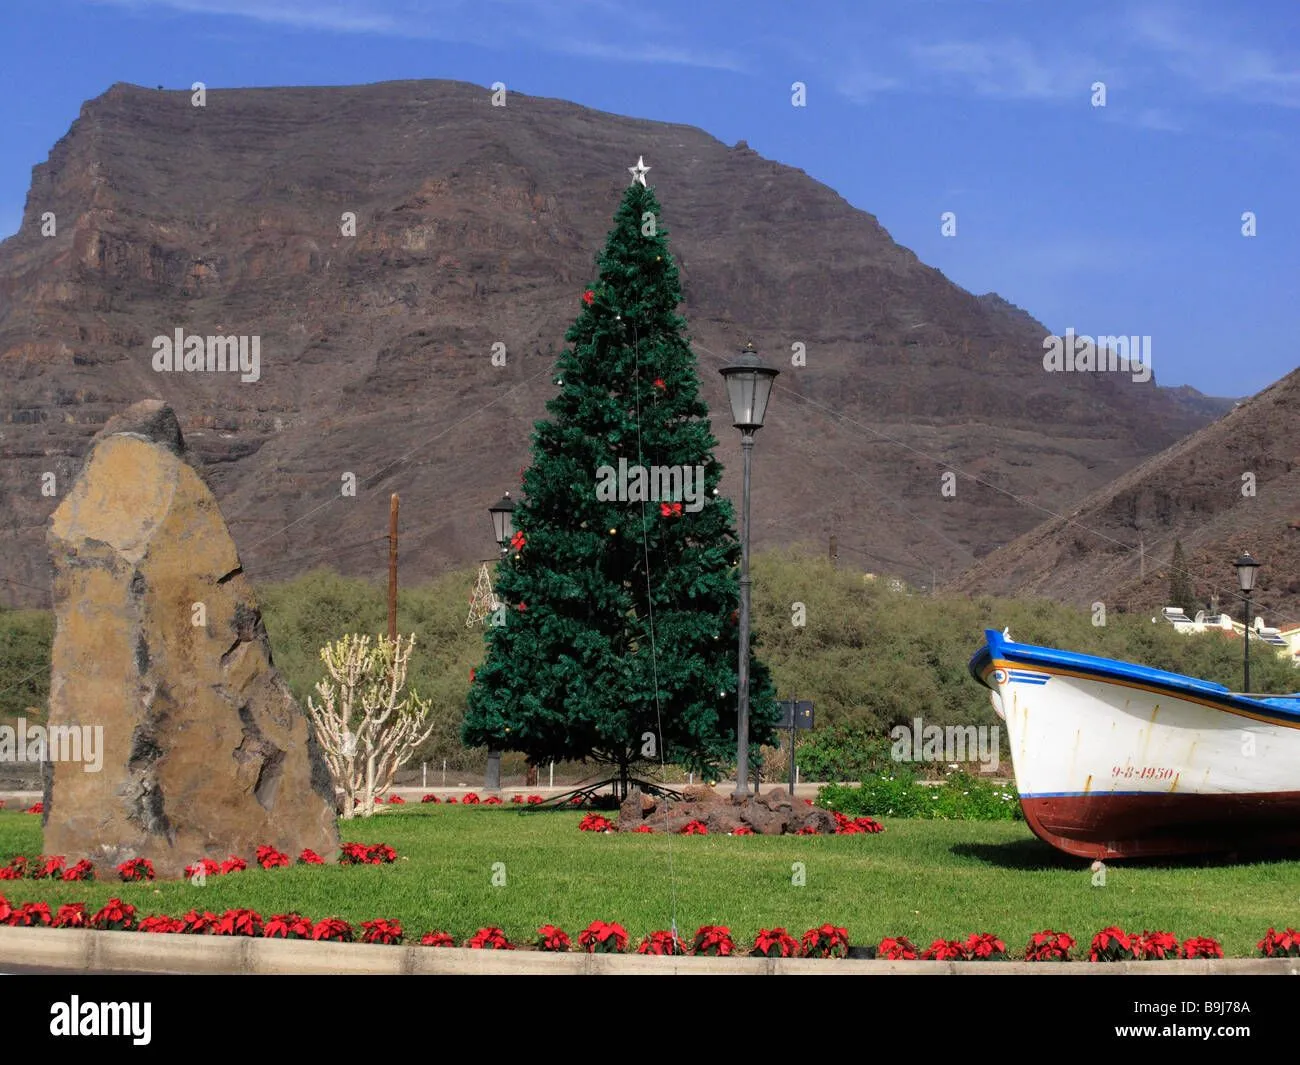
921	879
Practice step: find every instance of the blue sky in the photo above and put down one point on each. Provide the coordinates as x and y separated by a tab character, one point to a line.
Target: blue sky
1115	220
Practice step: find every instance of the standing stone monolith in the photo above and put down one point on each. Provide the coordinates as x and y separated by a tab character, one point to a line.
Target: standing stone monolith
160	650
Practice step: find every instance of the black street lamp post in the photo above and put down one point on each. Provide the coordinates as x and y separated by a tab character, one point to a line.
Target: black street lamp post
749	386
1246	567
503	528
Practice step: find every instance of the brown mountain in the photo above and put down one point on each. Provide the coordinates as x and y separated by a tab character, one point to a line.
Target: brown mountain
1232	487
478	225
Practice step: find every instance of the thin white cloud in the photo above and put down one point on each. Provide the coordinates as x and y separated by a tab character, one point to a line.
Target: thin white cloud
1008	69
861	84
630	37
1209	62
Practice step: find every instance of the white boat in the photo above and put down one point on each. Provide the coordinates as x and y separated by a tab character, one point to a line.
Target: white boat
1116	760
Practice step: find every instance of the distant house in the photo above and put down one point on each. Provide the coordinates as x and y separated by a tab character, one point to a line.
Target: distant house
1285	641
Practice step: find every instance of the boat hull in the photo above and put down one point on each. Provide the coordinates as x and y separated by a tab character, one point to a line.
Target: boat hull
1116	761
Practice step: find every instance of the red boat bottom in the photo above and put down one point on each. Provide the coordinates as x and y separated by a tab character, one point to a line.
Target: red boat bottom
1164	823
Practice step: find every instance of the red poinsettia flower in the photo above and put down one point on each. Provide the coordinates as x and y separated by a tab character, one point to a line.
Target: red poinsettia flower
396	800
643	828
533	800
31	915
15	870
437	939
35	808
1049	946
694	828
828	941
383	931
310	857
6	910
1275	944
663	942
517	541
161	923
713	940
595	823
470	798
199	924
233	864
742	830
1114	944
1157	946
896	949
1201	947
492	800
270	858
944	950
83	870
47	867
452	799
356	854
429	798
332	929
670	510
659	383
136	869
775	943
807	830
603	937
70	915
114	916
522	607
551	938
588	297
985	947
489	939
238	923
517	799
287	926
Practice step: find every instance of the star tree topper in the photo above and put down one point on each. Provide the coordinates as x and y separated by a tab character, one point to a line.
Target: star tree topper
638	172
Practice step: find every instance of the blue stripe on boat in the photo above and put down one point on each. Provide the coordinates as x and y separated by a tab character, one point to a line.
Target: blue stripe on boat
998	647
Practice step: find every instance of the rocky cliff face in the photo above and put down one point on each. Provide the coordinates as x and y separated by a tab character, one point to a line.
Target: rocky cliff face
476	226
1233	486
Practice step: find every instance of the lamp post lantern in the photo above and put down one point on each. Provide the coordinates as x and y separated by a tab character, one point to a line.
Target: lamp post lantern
749	386
503	525
1246	567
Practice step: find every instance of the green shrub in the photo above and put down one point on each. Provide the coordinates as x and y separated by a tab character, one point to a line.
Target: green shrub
960	797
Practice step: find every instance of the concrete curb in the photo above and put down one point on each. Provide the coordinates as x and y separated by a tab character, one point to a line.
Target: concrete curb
78	948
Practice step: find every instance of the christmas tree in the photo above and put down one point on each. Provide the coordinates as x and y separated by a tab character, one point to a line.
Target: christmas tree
617	635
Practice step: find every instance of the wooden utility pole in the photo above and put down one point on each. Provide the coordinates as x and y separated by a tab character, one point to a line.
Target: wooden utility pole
392	569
